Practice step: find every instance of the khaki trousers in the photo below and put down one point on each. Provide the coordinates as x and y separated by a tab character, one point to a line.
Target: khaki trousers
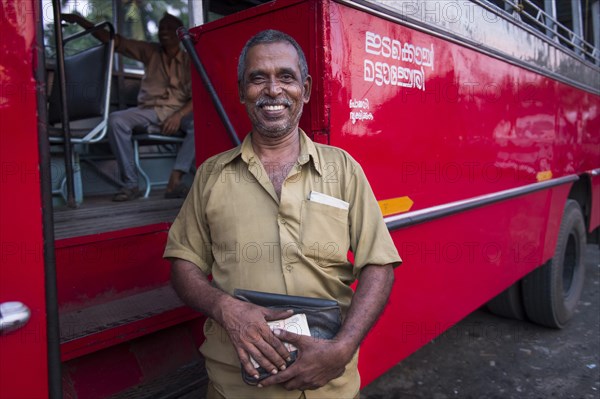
212	393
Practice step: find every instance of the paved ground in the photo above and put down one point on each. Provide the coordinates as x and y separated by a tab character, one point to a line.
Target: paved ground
489	357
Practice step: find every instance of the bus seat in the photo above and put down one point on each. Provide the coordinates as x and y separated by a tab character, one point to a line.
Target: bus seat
150	135
88	83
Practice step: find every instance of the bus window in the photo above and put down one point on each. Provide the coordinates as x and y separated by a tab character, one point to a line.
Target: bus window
134	19
215	9
96	11
138	19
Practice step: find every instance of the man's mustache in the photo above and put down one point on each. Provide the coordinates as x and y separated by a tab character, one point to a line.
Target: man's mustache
265	101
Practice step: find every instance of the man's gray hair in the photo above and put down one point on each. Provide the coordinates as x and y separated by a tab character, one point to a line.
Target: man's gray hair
271	36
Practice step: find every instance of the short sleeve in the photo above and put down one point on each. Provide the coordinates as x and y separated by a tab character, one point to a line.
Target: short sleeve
370	240
189	236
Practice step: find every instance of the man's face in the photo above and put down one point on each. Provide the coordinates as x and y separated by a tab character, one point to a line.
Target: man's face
272	89
167	33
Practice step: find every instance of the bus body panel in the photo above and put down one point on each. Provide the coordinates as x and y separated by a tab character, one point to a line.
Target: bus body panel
225	45
23	360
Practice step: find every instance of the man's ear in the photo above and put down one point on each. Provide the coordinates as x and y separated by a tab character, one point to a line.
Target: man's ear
307	89
241	93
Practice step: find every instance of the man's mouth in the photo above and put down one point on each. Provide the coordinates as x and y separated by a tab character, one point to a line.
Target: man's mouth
272	105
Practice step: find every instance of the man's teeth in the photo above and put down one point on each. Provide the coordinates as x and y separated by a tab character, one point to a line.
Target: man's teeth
274	107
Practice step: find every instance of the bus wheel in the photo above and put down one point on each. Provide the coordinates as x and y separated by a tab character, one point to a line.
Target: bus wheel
509	303
551	292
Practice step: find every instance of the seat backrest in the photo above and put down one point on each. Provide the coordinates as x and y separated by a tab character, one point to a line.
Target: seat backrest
86	83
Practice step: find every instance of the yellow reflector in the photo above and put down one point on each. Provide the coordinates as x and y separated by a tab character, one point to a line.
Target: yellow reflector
395	205
545	175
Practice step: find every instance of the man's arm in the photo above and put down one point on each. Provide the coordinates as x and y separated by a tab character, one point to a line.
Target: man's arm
173	122
102	34
245	323
320	361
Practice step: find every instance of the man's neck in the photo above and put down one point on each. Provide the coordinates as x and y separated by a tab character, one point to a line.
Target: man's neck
281	148
171	52
277	155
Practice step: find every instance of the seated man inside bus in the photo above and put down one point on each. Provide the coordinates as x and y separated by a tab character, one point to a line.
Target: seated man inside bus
164	103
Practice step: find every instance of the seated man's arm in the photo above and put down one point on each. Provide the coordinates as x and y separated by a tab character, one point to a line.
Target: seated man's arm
102	35
320	361
245	323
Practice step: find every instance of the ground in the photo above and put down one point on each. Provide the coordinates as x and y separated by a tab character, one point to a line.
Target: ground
486	356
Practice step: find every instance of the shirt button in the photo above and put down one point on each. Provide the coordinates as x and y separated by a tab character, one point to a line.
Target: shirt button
282	221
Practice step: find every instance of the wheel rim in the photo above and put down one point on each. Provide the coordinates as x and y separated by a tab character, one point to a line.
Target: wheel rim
570	264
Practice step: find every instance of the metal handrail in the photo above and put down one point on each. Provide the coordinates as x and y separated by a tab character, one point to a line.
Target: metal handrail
99	132
547	23
101	128
186	40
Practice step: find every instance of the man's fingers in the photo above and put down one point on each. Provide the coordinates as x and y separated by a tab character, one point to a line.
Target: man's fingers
277	378
274	352
288	336
247	363
278	314
263	355
168	129
170	126
269	352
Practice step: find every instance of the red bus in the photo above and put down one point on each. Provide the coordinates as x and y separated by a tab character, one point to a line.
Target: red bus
477	124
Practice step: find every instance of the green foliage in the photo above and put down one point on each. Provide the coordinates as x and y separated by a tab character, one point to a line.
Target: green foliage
138	19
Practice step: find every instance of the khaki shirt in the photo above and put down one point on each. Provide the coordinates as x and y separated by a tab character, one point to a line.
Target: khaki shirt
232	225
166	86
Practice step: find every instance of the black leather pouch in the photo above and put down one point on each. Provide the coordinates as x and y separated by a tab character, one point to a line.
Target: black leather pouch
324	318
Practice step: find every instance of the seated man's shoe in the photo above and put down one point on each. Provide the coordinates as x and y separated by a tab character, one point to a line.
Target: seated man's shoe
127	194
180	191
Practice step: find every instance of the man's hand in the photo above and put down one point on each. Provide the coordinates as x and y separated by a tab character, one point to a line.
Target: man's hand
77	19
319	361
102	35
246	325
171	125
71	18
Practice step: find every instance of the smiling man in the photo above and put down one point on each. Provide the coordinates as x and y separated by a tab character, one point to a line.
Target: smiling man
252	221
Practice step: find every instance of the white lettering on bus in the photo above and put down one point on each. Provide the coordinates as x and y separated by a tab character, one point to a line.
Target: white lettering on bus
399	73
359	110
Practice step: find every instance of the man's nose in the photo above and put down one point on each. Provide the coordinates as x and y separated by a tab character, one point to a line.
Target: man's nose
273	87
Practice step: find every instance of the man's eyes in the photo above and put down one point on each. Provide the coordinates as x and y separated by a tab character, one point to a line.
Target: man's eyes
258	79
285	78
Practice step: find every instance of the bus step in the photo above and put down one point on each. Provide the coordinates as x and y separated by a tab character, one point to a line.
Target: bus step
97	327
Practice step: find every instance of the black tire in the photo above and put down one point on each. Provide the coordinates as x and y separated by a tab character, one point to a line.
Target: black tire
509	303
551	292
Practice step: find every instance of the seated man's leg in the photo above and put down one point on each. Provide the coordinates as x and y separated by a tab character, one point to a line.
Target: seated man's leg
121	124
185	159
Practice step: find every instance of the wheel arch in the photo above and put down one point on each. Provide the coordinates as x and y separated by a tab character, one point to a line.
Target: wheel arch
581	191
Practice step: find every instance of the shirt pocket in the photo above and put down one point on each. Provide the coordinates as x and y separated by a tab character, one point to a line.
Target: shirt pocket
324	233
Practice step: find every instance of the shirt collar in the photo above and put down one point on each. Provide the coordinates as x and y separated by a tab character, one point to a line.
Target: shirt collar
179	57
308	152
